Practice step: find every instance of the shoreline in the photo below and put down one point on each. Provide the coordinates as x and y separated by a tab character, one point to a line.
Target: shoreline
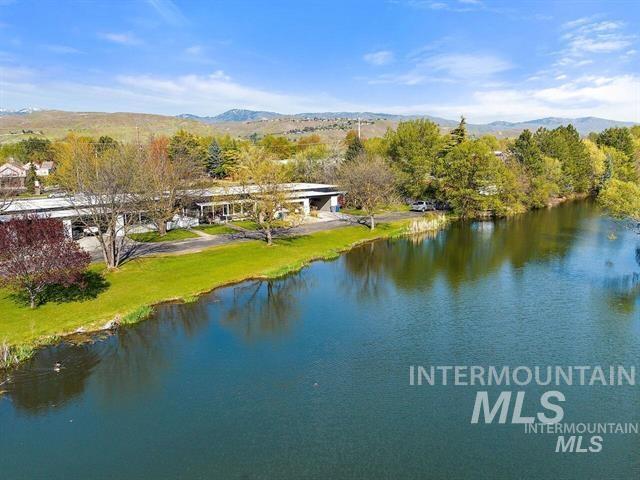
13	354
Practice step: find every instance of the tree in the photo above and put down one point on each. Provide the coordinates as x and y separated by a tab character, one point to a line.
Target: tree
456	136
6	199
186	145
263	184
280	147
369	183
564	144
413	150
619	138
619	165
102	188
164	182
105	142
36	253
215	163
308	141
622	201
527	153
31	179
354	146
473	180
37	150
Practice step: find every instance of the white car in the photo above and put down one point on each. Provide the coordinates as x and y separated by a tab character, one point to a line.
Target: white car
423	206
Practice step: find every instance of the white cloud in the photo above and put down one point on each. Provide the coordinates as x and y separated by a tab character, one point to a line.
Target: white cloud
466	66
446	68
615	97
194	50
199	94
62	49
381	57
121	38
169	12
585	37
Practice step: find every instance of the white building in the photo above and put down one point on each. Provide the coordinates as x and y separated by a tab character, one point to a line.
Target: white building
216	204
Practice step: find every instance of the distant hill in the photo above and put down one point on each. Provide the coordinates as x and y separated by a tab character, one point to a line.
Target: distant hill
235	115
584	125
331	126
22	111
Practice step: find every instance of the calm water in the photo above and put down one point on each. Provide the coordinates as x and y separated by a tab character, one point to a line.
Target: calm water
307	377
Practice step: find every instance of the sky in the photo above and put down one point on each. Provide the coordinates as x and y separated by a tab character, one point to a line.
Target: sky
486	60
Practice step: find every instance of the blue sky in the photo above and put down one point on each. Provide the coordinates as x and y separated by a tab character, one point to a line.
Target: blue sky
489	60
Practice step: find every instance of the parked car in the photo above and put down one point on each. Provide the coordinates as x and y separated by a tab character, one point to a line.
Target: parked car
90	231
423	206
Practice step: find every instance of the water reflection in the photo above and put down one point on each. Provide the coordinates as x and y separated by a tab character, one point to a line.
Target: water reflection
138	359
264	308
468	251
41	384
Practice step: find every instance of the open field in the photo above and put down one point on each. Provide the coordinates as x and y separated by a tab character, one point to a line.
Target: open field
142	283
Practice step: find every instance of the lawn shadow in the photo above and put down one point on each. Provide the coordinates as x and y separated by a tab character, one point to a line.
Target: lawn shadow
88	288
91	285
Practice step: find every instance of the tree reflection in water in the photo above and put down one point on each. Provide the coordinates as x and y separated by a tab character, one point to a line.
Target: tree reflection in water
135	359
37	385
470	251
138	358
265	307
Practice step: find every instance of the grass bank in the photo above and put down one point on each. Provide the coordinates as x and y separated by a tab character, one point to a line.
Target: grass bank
132	290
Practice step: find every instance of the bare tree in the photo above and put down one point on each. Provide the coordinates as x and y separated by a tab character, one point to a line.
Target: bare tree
6	198
370	184
263	184
165	181
103	188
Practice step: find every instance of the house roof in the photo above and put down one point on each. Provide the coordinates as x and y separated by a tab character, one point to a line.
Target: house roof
12	170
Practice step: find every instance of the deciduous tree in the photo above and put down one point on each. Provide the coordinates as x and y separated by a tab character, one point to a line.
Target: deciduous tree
413	150
263	185
164	182
369	183
103	190
36	253
622	201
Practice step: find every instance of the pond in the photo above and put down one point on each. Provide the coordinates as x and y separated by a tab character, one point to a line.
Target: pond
308	376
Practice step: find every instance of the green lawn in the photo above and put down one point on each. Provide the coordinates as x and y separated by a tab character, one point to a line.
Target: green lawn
246	224
215	229
171	236
148	281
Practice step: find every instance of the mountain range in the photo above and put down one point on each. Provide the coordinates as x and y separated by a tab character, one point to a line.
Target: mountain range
331	126
584	125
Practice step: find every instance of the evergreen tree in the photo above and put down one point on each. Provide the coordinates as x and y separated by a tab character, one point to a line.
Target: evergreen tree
456	137
526	152
459	134
30	181
619	138
215	163
354	148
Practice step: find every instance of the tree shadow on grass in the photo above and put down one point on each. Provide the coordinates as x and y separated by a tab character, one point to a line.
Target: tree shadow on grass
89	287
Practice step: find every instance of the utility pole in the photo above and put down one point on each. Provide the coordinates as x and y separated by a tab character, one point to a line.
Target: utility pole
359	129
